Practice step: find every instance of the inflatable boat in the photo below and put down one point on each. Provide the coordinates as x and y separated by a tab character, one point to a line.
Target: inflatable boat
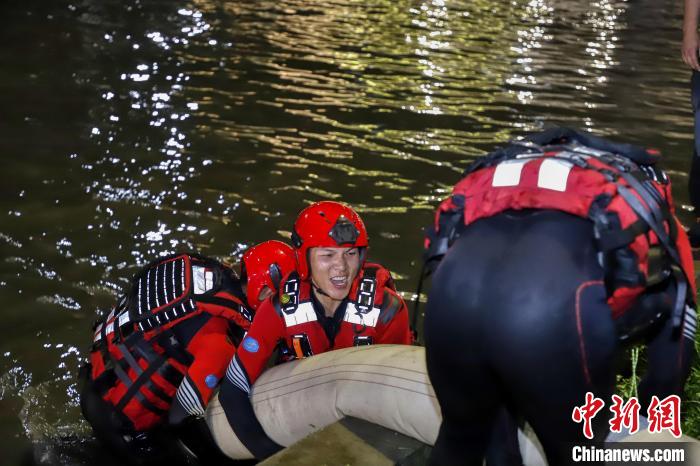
386	385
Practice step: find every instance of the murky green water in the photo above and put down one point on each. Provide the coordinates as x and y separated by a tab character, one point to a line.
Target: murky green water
130	128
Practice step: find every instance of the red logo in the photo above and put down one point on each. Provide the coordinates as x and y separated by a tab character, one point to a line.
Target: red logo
663	414
587	412
626	415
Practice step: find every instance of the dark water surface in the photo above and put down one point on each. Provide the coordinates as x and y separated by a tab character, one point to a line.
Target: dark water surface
131	128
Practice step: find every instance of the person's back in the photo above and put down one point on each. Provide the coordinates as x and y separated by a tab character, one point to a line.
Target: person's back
559	251
520	310
160	354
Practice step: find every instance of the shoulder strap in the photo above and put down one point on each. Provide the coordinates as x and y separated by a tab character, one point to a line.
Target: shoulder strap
287	301
367	289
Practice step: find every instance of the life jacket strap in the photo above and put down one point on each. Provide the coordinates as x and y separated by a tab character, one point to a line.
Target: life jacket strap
135	386
301	346
173	348
366	290
227	303
291	293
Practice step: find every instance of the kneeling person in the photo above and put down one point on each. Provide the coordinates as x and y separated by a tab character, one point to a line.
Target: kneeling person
159	354
334	300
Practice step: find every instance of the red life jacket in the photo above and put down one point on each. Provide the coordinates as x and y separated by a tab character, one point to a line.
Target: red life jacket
137	361
615	186
306	336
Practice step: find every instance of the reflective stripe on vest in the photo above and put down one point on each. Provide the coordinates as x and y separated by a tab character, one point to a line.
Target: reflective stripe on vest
302	314
354	316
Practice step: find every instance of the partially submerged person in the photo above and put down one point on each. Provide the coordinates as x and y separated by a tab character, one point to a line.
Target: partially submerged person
335	299
564	250
160	353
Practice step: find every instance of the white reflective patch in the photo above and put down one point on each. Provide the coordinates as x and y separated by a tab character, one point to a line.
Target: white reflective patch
690	323
166	290
139	297
187	396
155	288
508	173
110	329
369	319
554	174
110	316
304	313
199	279
209	279
124	319
148	288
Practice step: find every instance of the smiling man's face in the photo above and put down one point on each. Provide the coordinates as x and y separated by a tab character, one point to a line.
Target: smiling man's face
334	269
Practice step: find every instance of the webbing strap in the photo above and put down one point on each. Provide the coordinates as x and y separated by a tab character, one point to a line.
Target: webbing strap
123	376
140	380
614	239
681	280
157	391
650	219
366	290
173	348
291	291
148	405
129	358
227	303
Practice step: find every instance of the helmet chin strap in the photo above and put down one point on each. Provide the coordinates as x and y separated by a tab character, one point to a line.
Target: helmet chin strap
318	289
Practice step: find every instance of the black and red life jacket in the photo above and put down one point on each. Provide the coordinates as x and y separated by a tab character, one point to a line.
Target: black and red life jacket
136	359
616	186
365	307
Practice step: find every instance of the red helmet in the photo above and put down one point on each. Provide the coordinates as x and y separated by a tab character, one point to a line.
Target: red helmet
266	264
326	224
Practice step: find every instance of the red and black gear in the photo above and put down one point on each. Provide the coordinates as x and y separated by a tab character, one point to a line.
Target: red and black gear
616	186
137	362
327	224
374	313
265	264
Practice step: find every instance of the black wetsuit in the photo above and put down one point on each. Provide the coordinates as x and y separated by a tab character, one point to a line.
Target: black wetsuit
517	317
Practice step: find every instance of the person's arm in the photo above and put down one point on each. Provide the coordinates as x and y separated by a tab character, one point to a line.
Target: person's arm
245	367
212	350
393	324
691	43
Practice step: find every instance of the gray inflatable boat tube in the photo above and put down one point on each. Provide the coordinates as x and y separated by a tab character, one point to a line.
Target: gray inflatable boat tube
387	385
384	384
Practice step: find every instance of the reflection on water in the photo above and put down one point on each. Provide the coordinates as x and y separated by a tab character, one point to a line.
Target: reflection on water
143	127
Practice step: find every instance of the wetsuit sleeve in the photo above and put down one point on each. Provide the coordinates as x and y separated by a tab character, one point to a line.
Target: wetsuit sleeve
212	349
393	320
245	367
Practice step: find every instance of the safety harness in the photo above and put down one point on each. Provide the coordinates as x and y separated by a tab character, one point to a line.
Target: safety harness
296	309
135	353
616	186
